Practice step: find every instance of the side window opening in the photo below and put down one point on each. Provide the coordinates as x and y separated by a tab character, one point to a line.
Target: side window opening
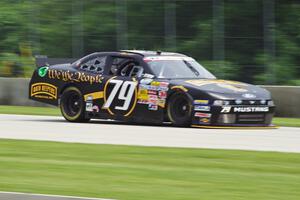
84	67
126	67
95	65
136	71
118	64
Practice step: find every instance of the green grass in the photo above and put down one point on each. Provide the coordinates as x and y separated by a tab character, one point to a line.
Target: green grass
281	121
28	110
128	172
52	111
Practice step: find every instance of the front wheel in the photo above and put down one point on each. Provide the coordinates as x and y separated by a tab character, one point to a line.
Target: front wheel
72	105
180	109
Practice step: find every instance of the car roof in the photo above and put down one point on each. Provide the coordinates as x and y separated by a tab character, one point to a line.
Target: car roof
145	53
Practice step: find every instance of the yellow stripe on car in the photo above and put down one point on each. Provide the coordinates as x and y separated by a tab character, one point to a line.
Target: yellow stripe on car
95	95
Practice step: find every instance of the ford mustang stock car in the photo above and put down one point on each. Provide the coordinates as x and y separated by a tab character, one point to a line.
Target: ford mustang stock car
149	87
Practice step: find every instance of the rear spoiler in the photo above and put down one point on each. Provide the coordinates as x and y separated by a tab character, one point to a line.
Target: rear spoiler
41	60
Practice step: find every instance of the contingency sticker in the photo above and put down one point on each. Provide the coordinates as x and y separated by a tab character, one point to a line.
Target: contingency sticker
199	114
204	118
201	102
153	95
89	104
201	108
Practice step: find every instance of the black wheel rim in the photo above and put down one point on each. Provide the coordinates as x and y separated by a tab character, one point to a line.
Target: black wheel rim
72	103
181	108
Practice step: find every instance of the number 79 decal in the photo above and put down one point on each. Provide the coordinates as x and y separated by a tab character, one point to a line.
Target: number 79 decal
126	89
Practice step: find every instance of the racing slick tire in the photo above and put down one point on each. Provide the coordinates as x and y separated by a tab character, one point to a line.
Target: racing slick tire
179	109
72	105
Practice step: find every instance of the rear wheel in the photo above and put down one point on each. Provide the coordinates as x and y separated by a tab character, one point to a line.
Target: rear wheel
72	105
180	109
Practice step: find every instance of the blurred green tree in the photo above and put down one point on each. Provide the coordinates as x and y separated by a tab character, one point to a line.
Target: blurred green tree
50	28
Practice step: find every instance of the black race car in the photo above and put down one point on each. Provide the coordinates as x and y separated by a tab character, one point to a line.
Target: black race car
149	87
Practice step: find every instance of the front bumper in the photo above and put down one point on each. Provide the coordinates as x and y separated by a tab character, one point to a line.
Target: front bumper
233	115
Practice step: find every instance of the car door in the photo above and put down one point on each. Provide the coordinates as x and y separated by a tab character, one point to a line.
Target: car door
129	93
121	87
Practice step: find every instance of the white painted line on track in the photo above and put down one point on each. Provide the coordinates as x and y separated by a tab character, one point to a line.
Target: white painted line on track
30	196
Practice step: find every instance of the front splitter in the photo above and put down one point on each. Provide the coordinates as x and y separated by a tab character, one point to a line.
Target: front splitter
235	127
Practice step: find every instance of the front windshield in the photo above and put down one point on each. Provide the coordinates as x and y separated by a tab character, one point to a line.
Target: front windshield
177	67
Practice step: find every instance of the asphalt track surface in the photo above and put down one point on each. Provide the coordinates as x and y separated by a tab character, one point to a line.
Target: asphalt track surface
46	128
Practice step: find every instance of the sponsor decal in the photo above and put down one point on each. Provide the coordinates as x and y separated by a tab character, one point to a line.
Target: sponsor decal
251	109
249	96
143	101
43	91
151	87
164	84
148	87
146	81
226	109
200	114
204	120
95	108
43	71
201	102
152	92
89	107
89	104
155	83
153	101
143	87
159	84
231	85
155	97
162	94
201	108
152	107
163	88
143	94
90	98
162	103
68	76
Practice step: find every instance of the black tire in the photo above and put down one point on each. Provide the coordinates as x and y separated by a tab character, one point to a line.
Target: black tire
179	109
72	105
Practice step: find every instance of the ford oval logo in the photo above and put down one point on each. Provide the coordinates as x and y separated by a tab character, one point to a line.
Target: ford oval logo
249	96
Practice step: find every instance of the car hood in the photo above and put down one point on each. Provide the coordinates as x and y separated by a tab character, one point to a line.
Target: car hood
224	89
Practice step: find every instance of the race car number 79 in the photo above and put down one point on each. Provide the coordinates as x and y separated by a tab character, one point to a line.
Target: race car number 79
122	95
